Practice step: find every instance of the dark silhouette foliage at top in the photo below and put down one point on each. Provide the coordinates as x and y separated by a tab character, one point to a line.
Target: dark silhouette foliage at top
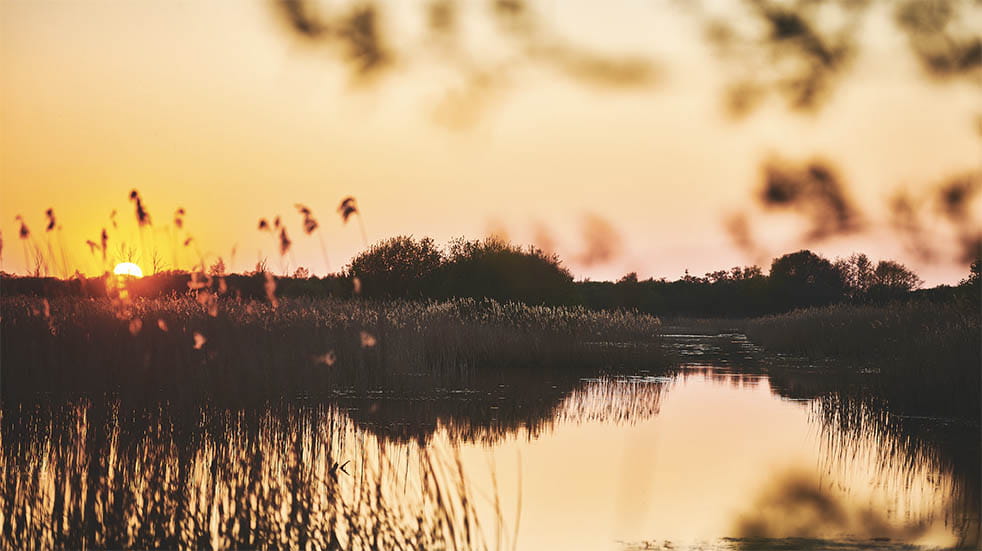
816	191
799	50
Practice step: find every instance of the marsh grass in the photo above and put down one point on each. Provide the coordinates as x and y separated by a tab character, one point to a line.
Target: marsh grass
240	349
922	358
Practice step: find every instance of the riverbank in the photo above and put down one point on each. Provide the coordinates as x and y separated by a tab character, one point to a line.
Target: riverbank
923	358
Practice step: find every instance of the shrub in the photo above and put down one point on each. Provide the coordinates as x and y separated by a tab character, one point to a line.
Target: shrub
497	270
399	267
805	279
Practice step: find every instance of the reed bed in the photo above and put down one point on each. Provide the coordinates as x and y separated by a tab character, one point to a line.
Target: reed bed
230	348
922	358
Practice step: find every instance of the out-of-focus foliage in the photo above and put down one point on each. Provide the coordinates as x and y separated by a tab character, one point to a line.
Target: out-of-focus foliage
799	50
794	49
944	41
814	190
955	201
941	223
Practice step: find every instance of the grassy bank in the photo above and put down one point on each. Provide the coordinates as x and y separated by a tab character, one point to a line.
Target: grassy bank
239	348
922	358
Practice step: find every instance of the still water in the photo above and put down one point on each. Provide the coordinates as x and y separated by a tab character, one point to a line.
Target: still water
720	453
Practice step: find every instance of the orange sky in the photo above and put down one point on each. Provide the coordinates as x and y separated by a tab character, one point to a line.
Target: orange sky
214	108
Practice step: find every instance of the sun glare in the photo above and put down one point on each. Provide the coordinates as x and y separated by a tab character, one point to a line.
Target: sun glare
129	269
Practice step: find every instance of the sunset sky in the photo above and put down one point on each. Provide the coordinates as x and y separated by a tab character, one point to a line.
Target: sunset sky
217	108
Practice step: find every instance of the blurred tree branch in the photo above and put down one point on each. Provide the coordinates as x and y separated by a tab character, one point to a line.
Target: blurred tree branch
797	49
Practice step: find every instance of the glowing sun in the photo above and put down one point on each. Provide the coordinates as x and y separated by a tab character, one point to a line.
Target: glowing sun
128	269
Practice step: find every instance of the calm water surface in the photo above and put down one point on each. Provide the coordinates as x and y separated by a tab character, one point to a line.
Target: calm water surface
714	456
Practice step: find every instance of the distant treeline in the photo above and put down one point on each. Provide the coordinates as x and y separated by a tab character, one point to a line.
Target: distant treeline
408	268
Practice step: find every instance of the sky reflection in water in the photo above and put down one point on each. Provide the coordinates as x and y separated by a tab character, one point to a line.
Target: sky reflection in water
621	462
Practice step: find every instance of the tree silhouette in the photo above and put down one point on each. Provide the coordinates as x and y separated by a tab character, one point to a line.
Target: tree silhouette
498	270
398	267
805	279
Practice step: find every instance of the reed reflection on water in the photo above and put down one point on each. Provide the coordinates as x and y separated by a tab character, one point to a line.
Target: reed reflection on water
707	453
92	475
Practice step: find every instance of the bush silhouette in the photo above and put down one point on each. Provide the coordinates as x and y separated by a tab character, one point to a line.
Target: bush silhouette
498	270
804	279
399	267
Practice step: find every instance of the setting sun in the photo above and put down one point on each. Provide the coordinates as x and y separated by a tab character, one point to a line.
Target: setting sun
128	268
